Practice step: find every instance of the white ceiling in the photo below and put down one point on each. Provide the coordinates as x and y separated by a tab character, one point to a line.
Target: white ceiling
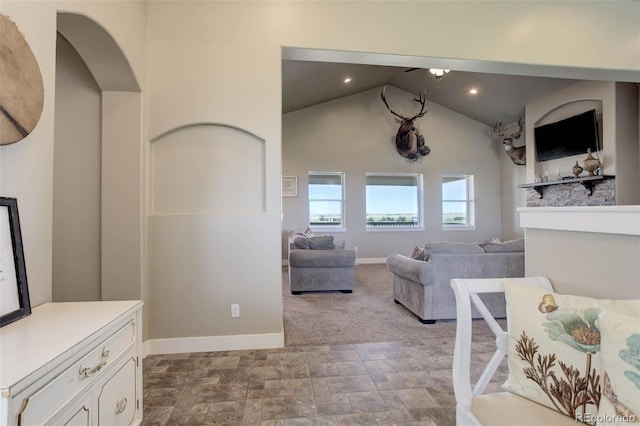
500	97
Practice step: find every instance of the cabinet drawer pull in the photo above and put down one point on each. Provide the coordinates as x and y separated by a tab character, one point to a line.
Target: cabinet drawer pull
121	405
88	371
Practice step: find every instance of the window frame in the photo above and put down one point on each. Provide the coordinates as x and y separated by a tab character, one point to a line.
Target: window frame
419	201
342	227
469	201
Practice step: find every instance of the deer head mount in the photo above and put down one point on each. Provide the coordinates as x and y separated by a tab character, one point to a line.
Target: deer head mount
517	154
409	142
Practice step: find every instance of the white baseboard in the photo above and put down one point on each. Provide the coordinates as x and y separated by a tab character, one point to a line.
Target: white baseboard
359	260
213	343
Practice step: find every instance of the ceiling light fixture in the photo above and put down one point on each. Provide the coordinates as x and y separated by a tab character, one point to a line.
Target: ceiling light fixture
347	80
438	73
473	91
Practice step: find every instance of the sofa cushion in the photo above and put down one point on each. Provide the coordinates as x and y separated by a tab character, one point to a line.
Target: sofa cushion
322	258
453	248
512	409
510	246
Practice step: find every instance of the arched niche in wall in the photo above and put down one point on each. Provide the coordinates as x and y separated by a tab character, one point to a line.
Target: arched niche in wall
115	131
570	109
573	108
207	168
99	51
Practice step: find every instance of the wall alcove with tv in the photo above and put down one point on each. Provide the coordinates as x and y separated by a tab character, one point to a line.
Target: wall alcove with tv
617	112
562	136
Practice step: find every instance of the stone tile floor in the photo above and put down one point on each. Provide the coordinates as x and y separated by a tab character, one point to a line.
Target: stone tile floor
362	384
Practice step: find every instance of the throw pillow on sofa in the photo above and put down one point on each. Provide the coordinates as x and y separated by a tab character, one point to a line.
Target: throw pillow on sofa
555	348
419	253
321	243
301	243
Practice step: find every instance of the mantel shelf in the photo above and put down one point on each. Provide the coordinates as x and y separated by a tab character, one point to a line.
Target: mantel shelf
586	181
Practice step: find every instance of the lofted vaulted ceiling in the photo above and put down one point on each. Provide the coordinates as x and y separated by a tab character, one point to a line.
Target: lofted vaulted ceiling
499	97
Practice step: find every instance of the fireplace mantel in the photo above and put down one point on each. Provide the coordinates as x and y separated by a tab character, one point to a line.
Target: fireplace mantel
622	220
586	181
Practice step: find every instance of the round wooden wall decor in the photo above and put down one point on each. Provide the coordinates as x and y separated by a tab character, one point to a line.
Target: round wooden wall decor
21	88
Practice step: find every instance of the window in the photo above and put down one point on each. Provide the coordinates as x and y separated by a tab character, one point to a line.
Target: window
394	201
326	200
457	202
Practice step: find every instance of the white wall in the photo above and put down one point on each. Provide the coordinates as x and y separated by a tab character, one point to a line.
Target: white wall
220	61
355	135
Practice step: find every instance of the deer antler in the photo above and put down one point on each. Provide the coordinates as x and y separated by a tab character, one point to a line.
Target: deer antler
498	129
516	134
384	99
421	100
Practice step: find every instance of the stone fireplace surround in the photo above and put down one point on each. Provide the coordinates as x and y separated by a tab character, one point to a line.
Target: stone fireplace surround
572	193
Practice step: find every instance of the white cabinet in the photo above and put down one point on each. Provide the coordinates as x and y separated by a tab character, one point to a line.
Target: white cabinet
75	363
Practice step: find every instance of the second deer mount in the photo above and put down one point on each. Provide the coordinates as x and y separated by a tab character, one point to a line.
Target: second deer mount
518	154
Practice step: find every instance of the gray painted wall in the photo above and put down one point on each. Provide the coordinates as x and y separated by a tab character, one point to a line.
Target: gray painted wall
76	180
355	135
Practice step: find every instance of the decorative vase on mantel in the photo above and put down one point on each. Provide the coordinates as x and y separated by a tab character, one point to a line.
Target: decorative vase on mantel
577	169
590	163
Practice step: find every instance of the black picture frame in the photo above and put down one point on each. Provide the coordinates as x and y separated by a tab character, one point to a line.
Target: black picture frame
14	291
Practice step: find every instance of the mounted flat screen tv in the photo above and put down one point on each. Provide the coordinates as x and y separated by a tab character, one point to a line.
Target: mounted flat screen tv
570	136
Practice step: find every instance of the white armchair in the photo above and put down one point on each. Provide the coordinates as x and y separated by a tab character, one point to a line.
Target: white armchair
473	406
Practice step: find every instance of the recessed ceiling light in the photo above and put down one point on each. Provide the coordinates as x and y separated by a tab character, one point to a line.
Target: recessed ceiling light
473	91
347	80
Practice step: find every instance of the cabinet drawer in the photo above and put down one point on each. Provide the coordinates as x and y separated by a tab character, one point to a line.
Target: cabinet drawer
80	374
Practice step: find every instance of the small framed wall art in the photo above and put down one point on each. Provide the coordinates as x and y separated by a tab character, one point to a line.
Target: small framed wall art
14	292
289	186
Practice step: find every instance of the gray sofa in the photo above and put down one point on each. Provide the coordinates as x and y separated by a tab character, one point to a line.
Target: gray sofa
423	286
320	264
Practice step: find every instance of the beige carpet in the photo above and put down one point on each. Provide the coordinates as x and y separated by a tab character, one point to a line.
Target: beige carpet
368	315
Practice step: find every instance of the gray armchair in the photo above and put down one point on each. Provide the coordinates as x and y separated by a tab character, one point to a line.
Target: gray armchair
321	269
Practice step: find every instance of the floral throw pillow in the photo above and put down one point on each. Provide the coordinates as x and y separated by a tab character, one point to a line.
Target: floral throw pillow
620	360
553	349
577	355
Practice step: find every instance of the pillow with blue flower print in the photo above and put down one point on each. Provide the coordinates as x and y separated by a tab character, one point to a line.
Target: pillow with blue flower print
620	360
554	346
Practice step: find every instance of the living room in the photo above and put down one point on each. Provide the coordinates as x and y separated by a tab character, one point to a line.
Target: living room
219	62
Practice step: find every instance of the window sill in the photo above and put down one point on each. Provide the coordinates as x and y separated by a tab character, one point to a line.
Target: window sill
393	228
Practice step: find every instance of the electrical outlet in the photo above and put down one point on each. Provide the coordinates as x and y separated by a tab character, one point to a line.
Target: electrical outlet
355	248
235	310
